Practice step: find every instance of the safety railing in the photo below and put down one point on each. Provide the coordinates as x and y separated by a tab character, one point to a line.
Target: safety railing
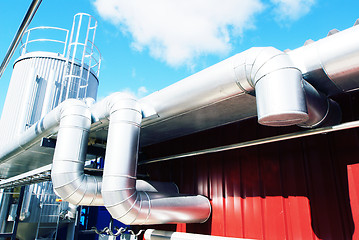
57	43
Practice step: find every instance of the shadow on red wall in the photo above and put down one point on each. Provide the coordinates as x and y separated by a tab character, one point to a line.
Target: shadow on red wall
298	189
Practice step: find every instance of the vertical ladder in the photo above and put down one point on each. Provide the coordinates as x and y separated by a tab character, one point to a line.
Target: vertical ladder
81	58
49	209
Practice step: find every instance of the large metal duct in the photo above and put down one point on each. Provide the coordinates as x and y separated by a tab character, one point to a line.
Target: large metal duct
322	111
67	174
120	196
331	64
224	93
277	83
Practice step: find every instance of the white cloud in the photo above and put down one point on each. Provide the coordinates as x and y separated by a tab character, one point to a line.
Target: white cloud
179	31
292	9
139	93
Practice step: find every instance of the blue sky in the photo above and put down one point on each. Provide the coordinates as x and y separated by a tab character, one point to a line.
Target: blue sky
148	45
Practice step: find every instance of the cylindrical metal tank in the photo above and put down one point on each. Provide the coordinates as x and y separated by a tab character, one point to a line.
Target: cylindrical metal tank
42	79
43	76
34	90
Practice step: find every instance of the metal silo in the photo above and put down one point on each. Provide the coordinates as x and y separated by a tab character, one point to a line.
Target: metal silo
50	70
54	64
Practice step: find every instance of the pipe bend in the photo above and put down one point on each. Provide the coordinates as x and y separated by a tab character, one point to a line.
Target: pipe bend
278	87
121	196
70	154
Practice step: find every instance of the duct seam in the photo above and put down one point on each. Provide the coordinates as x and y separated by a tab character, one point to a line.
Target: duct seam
68	179
120	196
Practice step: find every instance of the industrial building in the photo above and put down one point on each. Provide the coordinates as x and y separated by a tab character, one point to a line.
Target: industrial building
262	145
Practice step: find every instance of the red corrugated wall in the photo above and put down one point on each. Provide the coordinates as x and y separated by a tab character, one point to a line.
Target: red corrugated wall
306	188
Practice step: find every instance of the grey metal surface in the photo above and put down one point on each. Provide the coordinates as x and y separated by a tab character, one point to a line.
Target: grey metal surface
37	175
20	32
67	174
322	111
119	192
280	96
223	93
289	136
331	64
34	90
215	96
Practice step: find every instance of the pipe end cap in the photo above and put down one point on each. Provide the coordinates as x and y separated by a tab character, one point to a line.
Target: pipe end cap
283	119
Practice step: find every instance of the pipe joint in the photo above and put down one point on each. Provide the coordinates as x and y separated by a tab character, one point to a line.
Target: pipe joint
67	174
278	87
120	192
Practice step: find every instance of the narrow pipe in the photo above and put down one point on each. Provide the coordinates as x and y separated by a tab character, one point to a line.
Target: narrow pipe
20	32
283	137
152	234
121	198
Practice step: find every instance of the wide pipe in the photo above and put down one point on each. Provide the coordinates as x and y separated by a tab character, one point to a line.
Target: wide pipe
268	72
45	127
330	64
67	174
121	198
278	87
322	111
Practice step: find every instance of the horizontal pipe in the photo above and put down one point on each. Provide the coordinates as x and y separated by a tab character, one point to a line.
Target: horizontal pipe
278	138
44	128
151	234
330	64
20	32
270	72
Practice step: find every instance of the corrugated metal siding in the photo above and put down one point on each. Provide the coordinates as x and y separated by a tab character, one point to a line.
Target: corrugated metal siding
21	82
305	188
29	80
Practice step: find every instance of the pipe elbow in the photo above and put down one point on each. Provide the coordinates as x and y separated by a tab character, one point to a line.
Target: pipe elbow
322	111
120	195
280	97
67	174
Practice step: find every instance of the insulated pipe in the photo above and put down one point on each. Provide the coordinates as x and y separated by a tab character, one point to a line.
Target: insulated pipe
121	198
270	72
43	128
278	86
331	64
322	111
67	174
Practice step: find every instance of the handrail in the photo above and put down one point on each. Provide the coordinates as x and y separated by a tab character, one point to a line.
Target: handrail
20	32
24	46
